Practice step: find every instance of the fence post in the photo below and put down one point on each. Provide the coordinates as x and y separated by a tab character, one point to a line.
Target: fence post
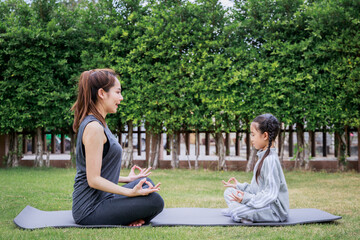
359	149
62	144
161	148
147	143
227	144
237	144
24	145
324	142
44	141
178	135
207	143
336	144
139	141
290	141
279	140
52	143
312	140
33	143
168	152
247	145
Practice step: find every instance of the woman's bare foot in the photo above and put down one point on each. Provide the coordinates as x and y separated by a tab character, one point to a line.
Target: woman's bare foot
137	223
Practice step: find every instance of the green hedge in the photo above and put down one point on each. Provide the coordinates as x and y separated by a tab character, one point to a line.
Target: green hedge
183	64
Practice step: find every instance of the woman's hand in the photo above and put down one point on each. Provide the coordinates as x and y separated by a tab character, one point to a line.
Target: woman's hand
236	197
229	184
144	172
138	190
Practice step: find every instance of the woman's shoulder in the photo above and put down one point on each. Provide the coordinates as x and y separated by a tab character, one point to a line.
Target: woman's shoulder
90	122
93	131
94	126
89	119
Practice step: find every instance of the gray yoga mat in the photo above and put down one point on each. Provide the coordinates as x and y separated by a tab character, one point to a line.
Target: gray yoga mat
32	218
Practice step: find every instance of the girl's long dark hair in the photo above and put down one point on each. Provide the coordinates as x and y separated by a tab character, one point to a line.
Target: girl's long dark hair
266	123
89	84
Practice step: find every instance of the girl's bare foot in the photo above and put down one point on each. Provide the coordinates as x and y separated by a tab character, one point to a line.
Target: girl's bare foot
137	223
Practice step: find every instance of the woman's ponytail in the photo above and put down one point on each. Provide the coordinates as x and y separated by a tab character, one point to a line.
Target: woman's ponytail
89	84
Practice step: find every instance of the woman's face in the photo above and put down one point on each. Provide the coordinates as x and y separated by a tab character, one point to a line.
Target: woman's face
259	140
113	98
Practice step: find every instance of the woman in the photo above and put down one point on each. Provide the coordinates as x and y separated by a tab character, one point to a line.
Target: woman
97	197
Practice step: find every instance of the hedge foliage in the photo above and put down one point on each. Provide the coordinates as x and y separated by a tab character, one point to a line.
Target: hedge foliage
183	64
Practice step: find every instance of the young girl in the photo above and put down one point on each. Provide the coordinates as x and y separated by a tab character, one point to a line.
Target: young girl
97	197
266	199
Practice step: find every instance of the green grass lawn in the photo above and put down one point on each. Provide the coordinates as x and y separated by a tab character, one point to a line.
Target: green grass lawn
51	189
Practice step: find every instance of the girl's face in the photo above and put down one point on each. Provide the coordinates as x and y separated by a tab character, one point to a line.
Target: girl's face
259	140
113	97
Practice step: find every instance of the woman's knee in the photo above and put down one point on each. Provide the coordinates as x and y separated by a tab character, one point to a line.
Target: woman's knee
158	201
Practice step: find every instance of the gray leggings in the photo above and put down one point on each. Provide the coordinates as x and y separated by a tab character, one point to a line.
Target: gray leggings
122	210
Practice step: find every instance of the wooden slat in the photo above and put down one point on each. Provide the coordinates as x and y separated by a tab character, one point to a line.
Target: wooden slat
291	144
207	143
324	143
237	144
139	141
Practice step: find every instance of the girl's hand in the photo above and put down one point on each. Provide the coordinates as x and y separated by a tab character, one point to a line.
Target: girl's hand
144	172
236	197
229	184
138	190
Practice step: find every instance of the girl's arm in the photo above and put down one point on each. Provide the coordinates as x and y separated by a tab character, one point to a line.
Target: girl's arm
93	140
240	186
245	187
271	185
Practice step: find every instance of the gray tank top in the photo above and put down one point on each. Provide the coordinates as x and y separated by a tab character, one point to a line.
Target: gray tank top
85	198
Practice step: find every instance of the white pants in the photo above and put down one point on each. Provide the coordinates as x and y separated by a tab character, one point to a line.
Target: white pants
239	211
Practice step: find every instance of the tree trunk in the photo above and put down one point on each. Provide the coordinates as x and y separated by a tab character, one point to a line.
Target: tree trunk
72	148
187	147
47	160
252	160
39	161
156	148
160	149
128	153
341	149
197	149
13	154
149	146
174	150
153	145
221	151
308	150
300	154
147	143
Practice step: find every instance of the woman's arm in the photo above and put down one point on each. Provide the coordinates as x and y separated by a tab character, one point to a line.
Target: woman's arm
144	172
93	140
